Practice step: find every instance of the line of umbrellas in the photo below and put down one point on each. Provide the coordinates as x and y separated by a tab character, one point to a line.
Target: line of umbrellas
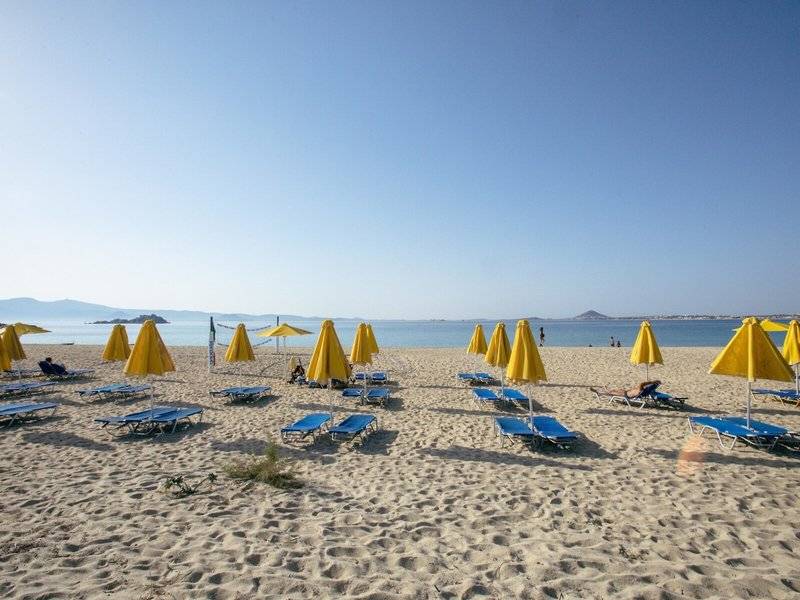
750	354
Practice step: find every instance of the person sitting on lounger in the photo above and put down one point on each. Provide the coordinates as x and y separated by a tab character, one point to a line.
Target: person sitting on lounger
57	368
298	374
622	393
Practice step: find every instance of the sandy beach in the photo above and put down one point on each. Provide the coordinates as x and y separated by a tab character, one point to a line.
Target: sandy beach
431	506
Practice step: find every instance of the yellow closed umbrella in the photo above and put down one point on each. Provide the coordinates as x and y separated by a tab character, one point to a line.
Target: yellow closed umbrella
752	355
361	351
149	355
524	363
645	350
328	361
239	350
23	328
373	343
12	344
117	347
791	351
499	349
5	360
477	343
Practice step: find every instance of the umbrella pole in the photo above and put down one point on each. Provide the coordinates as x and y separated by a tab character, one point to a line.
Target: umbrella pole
330	396
530	405
647	371
797	378
749	395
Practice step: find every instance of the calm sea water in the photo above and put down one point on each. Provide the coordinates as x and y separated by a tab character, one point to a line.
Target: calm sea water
430	334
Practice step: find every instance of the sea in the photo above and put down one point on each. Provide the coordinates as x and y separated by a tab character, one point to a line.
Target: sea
415	334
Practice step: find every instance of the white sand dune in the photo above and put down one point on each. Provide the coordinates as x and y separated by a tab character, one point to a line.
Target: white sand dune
429	507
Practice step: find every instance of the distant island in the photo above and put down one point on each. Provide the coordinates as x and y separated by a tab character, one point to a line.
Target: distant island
135	321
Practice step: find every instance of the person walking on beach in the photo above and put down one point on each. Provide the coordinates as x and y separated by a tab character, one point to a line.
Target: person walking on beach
611	343
541	336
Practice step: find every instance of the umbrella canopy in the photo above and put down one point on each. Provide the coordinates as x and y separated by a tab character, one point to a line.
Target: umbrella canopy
5	359
361	352
12	344
328	360
524	363
752	355
283	330
149	355
477	343
239	350
499	349
373	343
23	328
770	325
117	347
645	350
791	351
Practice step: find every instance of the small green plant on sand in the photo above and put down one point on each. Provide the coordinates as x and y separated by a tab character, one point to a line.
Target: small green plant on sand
180	488
267	468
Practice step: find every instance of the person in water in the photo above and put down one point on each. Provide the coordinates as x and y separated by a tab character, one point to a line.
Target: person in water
541	336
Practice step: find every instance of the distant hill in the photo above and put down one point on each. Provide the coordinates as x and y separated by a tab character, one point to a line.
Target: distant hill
30	309
591	315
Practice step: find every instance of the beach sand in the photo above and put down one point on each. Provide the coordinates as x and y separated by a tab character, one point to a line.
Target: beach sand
430	507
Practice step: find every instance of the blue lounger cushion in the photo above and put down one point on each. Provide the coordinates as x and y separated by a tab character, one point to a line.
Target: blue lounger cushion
308	423
485	395
761	428
550	429
353	392
378	393
14	412
352	426
733	430
782	394
512	394
379	376
177	414
137	417
486	376
466	376
103	389
513	428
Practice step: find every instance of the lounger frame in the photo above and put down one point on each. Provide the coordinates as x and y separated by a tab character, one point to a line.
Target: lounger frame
27	412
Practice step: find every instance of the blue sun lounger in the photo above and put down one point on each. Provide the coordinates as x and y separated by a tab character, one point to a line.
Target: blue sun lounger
52	373
485	395
375	376
24	389
313	425
512	394
378	396
642	398
158	418
511	428
549	429
665	400
475	378
354	428
352	392
20	411
115	390
244	393
787	396
723	428
783	436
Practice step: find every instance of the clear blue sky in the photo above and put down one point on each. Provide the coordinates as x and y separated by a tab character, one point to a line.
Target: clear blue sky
403	159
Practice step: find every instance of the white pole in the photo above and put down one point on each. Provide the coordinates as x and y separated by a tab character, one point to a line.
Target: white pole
330	396
530	405
749	394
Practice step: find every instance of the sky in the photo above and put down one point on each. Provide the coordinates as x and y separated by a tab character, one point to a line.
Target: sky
402	159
